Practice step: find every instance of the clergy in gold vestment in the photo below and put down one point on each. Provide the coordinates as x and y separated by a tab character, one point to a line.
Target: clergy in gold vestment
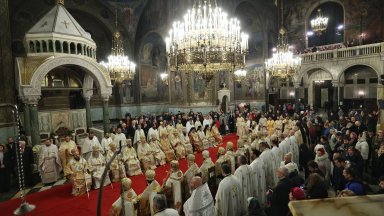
207	163
145	154
195	140
175	181
131	162
129	197
146	198
157	152
65	151
240	125
185	140
166	147
177	144
231	155
117	165
77	173
96	164
221	159
270	126
192	170
229	200
49	162
216	134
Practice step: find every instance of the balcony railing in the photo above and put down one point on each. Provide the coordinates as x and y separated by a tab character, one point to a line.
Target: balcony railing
342	53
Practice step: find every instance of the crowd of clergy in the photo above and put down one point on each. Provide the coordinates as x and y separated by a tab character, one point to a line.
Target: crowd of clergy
278	158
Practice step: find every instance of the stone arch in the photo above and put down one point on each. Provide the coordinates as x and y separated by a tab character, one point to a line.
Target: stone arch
93	69
342	71
309	69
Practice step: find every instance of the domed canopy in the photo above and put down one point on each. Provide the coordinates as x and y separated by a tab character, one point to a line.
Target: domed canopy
58	32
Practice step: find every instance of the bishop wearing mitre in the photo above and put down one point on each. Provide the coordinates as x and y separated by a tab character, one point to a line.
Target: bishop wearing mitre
185	139
117	165
131	162
124	205
90	142
145	154
159	155
175	182
192	170
201	201
49	162
96	163
65	150
177	144
207	163
146	198
77	173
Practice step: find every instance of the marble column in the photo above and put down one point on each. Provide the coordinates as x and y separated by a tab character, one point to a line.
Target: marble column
106	114
27	120
34	116
335	96
88	111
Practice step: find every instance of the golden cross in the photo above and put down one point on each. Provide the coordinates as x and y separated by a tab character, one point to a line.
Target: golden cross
65	23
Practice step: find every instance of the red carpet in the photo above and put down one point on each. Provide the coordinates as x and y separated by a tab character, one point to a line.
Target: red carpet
58	200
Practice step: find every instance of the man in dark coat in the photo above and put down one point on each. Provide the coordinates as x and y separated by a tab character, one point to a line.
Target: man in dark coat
280	195
27	154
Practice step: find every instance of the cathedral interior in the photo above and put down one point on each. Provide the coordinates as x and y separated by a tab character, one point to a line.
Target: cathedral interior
55	62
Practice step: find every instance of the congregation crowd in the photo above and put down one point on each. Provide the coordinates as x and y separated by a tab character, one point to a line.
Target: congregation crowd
280	156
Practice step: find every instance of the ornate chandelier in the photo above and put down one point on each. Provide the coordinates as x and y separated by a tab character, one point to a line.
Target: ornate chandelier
120	68
283	63
319	23
239	75
206	42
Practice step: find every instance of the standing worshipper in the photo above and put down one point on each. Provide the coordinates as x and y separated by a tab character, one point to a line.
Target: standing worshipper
119	136
5	169
229	197
280	194
139	132
324	164
107	139
258	174
276	151
160	207
90	142
27	155
49	162
192	170
269	164
77	173
244	174
294	148
175	182
65	150
207	163
146	198
129	197
201	200
96	164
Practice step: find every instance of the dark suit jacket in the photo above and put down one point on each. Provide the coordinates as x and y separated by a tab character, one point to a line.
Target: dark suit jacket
280	198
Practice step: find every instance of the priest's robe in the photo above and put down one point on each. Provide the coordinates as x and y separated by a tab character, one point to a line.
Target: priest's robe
187	144
216	134
105	144
294	149
177	145
207	163
117	167
96	165
65	153
80	178
285	146
188	175
200	203
175	181
146	198
203	139
146	156
229	200
196	142
166	147
260	187
152	131
232	157
270	167
126	208
138	133
132	164
88	145
120	137
157	152
49	163
244	175
278	155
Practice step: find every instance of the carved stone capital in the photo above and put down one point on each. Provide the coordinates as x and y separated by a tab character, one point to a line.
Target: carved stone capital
336	84
31	99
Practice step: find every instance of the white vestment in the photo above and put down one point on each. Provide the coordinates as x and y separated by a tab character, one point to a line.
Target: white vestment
285	147
294	149
200	203
49	163
150	191
270	167
244	175
229	200
128	208
152	131
105	143
97	166
138	133
120	137
278	155
167	212
174	181
260	187
88	145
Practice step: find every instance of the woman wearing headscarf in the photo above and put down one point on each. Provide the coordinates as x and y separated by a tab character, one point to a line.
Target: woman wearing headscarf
254	207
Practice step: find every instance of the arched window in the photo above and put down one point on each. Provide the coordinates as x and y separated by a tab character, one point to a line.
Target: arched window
45	46
335	29
65	47
31	47
79	49
72	48
38	48
58	47
50	46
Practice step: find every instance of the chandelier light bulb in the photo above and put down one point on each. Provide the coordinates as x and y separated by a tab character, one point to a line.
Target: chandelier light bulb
319	23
